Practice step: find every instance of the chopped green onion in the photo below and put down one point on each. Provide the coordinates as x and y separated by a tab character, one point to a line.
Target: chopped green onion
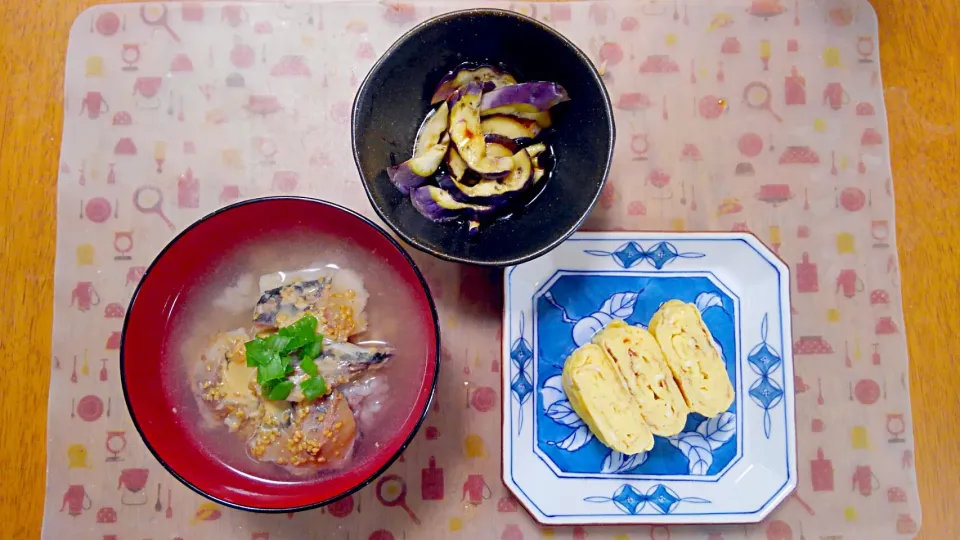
257	352
310	367
272	370
280	391
313	388
301	333
278	343
312	350
271	357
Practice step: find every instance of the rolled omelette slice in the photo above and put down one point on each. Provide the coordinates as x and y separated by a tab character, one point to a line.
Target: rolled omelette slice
696	365
642	367
598	396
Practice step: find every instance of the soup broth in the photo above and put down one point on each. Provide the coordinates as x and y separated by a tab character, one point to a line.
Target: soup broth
380	399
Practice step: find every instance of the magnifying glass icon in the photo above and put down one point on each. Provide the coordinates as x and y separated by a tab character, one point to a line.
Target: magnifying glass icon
156	207
159	21
757	96
397	491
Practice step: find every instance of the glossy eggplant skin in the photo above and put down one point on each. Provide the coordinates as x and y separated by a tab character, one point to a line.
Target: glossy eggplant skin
419	170
467	134
467	72
508	126
439	206
528	98
490	192
432	130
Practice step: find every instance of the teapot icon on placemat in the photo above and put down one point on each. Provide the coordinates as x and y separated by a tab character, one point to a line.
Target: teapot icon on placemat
865	481
476	488
76	500
84	295
849	283
93	104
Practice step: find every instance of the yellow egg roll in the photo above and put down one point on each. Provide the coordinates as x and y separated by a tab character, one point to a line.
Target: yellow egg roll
690	353
603	402
642	367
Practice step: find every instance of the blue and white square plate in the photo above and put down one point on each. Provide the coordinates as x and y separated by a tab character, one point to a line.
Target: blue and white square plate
734	468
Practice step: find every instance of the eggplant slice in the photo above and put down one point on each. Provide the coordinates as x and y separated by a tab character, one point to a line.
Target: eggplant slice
510	127
526	98
466	73
467	135
432	130
491	192
438	205
415	172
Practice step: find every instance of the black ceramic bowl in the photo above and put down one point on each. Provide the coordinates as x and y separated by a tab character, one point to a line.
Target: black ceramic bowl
395	97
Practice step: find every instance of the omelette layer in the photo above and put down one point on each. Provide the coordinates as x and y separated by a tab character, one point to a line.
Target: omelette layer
602	401
695	363
642	368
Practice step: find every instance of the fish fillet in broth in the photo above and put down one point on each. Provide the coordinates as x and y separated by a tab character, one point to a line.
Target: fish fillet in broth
224	382
306	436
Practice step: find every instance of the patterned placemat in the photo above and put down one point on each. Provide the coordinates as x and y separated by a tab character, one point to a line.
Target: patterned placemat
762	115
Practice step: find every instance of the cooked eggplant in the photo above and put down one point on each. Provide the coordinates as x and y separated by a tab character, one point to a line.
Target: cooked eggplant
467	135
496	162
438	205
526	98
491	192
535	150
493	139
432	130
538	173
501	148
466	73
455	164
417	171
507	126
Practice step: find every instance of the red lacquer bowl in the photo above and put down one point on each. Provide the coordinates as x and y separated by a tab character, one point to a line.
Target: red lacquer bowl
157	301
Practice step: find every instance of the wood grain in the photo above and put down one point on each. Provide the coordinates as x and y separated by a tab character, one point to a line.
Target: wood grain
918	45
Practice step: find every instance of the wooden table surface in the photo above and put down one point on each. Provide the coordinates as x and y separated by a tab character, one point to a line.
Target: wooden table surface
918	48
